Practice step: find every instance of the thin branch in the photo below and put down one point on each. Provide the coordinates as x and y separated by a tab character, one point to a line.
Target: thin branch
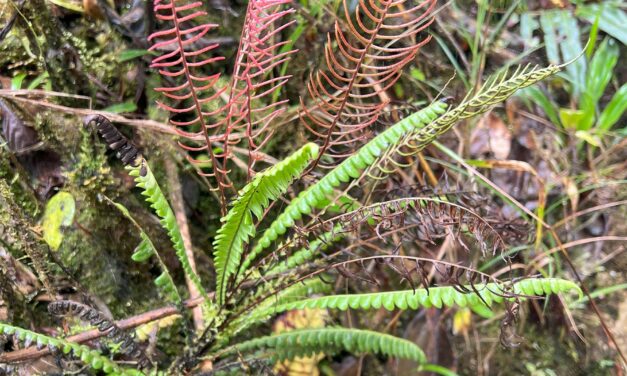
30	353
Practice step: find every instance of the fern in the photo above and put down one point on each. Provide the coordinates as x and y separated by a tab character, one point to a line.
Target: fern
145	180
137	167
104	325
496	89
257	56
184	63
144	250
306	342
349	169
238	226
92	358
300	257
433	297
368	59
263	301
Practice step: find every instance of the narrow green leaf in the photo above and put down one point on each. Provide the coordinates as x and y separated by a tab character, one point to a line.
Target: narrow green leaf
599	74
38	81
131	54
614	110
16	82
612	19
538	97
561	32
128	106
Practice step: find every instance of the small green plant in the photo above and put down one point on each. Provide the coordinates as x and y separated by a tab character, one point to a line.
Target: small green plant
586	80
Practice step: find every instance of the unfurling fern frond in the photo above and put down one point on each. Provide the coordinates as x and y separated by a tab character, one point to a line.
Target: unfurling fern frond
97	319
144	179
305	342
92	358
238	225
380	39
185	55
478	294
346	171
257	56
115	140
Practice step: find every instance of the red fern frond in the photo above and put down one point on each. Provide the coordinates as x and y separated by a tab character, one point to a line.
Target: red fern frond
258	55
379	41
182	62
244	116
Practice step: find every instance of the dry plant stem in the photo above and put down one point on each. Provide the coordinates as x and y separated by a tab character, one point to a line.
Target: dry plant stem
131	322
560	246
149	125
176	199
427	169
576	215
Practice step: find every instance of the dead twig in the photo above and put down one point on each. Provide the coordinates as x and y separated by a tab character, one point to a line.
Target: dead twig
131	322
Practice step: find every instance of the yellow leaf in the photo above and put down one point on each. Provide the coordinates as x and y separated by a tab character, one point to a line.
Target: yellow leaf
300	319
461	321
59	213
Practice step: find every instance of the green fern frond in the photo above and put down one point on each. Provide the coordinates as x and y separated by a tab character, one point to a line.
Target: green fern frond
306	342
496	89
144	250
349	169
92	358
433	297
238	225
145	180
297	291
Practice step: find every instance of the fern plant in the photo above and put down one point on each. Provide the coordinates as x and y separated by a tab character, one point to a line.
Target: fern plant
260	276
